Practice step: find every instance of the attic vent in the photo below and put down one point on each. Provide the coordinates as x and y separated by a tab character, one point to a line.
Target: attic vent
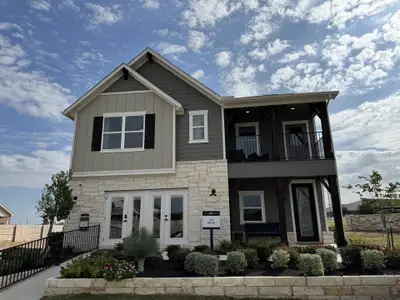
125	72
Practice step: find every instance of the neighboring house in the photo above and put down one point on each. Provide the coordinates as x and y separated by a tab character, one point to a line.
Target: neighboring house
151	143
5	215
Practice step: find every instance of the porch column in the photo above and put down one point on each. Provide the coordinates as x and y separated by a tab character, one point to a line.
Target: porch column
326	129
337	210
281	186
275	141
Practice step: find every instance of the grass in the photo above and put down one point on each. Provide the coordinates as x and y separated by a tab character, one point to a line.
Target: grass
136	297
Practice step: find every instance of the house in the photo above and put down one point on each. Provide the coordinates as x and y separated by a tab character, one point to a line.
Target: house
154	147
5	215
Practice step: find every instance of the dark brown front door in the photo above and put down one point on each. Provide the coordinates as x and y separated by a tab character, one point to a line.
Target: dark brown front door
305	212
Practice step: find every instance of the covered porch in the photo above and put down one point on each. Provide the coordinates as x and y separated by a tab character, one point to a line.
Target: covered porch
288	210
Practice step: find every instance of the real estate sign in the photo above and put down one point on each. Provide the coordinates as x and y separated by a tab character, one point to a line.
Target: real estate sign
211	220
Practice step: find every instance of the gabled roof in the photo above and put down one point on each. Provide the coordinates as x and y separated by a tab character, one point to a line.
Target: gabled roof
110	79
2	207
145	55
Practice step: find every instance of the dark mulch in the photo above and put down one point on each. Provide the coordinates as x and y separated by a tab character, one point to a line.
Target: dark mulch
168	269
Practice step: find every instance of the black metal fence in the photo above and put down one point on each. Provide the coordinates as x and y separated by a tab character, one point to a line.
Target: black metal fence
22	261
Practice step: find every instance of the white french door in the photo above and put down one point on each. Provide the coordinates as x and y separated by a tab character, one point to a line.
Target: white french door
164	212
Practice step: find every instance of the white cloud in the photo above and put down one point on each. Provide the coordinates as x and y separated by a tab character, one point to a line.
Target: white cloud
259	28
86	58
8	26
198	74
310	50
222	59
391	30
103	15
272	48
162	32
240	80
291	57
18	35
46	55
196	40
282	75
40	5
70	4
29	92
167	48
208	12
150	4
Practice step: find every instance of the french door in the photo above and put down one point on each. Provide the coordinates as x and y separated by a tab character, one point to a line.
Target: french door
297	141
164	212
305	212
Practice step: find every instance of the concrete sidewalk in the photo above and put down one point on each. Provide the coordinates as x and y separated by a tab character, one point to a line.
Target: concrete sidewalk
31	288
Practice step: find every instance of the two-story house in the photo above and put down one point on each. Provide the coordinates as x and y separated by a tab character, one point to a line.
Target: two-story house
154	147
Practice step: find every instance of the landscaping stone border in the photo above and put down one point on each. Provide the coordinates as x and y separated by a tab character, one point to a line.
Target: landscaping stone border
310	288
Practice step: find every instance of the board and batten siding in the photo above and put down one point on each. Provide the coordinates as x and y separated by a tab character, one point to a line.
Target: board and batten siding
122	85
84	160
190	99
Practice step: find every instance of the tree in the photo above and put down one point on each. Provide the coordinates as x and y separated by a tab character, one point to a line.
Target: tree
56	200
379	197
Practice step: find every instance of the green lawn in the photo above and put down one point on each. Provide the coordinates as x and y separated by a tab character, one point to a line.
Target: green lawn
135	297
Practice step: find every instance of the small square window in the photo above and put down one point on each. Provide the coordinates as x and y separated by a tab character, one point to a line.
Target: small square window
252	207
198	126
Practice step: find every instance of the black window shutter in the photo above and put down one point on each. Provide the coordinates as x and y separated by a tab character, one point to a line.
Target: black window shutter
150	130
97	132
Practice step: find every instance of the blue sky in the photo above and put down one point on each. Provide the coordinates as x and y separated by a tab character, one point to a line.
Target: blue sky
52	51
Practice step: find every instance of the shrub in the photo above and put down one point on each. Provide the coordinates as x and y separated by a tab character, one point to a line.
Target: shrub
263	252
351	256
141	244
251	257
119	271
373	260
311	265
294	257
206	265
87	267
236	262
329	259
225	247
311	249
279	259
201	248
393	259
173	251
330	247
190	261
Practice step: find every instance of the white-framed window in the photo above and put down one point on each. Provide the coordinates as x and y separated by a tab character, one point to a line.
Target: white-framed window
123	131
252	207
198	126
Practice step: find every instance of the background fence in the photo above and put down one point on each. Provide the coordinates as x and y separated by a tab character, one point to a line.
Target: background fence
22	261
25	233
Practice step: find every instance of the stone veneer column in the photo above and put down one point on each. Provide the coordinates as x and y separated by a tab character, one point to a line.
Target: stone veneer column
198	177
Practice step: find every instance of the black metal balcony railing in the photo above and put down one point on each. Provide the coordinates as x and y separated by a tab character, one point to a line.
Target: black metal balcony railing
291	146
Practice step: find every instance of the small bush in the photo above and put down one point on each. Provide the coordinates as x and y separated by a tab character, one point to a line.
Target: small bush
311	265
393	259
279	259
329	259
87	267
225	247
206	265
183	253
173	251
351	256
373	260
311	249
190	261
263	252
201	248
236	262
330	247
251	257
119	271
294	257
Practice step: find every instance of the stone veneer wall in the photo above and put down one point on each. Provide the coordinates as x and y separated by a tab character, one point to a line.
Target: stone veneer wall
311	288
371	222
198	177
327	238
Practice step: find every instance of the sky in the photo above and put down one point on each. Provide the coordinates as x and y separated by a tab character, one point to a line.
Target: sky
53	51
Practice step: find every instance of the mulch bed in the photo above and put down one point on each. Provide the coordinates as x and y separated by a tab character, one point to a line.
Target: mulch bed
169	269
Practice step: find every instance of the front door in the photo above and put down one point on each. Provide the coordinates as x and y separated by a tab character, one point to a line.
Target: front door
305	212
297	141
164	212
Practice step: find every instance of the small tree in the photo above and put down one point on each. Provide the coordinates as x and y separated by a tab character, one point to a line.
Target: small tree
377	196
56	201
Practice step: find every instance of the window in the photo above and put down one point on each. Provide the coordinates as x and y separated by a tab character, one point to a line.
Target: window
198	126
123	132
252	209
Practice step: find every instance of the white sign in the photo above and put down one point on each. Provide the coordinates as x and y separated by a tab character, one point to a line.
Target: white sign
211	220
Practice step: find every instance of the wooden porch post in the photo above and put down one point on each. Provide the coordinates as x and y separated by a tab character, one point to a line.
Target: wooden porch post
281	186
337	210
322	111
275	138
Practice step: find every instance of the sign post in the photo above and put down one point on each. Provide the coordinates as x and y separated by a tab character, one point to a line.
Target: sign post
211	221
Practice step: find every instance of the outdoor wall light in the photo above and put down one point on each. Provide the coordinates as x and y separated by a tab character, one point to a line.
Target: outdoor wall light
213	193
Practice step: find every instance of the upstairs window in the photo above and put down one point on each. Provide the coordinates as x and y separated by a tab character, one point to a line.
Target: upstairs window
123	132
198	126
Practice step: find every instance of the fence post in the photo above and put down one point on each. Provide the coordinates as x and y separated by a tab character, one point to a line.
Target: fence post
391	237
98	236
14	233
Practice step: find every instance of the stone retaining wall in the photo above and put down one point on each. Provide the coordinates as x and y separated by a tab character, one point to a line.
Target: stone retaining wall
371	222
310	288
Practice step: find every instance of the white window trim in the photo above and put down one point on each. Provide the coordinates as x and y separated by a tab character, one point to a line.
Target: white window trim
123	132
256	126
198	113
241	207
